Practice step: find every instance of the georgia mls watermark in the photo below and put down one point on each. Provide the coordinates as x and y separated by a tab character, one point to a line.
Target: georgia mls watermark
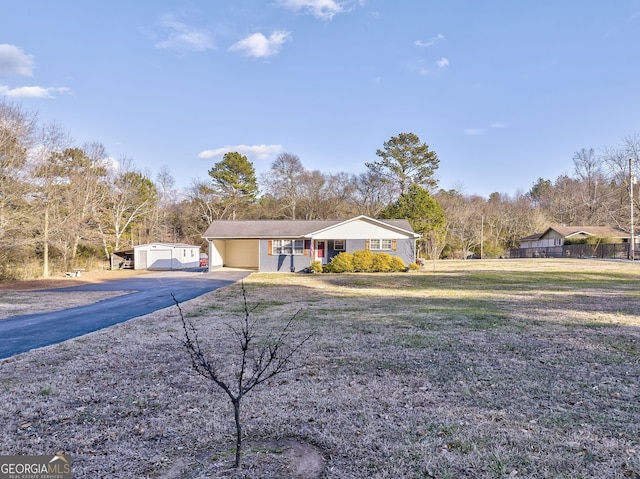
35	467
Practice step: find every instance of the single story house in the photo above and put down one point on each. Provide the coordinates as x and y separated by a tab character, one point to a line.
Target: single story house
557	235
292	245
159	256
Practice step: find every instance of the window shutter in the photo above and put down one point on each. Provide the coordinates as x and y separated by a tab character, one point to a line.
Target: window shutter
270	248
366	244
394	245
307	247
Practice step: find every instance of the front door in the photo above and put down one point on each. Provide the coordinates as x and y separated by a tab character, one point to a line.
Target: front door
320	252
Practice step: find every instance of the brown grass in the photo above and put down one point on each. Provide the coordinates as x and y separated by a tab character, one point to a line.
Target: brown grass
479	369
17	297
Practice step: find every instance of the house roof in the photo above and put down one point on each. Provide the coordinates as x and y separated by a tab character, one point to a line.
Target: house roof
570	231
601	231
252	229
532	237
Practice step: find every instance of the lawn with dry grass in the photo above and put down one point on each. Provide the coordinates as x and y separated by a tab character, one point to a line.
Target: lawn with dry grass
17	298
477	369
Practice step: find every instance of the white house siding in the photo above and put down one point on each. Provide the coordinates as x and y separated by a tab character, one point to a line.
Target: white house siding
360	229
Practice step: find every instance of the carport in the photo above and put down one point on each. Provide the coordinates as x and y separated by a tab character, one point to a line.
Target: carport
234	253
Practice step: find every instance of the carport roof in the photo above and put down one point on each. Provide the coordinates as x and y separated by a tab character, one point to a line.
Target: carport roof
254	229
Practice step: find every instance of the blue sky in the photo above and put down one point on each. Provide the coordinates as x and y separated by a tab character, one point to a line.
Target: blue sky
504	91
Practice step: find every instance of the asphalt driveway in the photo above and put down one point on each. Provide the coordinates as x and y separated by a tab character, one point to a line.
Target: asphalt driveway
147	293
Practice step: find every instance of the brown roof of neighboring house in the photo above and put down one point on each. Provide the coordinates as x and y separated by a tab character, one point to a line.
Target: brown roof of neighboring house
284	228
532	237
600	231
569	231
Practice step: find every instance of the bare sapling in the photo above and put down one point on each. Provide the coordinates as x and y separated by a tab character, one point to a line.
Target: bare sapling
259	354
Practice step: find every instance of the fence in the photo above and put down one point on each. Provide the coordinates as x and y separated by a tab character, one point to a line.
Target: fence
611	251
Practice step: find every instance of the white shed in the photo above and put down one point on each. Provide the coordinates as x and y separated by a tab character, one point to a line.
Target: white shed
162	256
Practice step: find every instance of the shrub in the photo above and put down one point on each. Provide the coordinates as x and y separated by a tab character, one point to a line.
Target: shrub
316	267
342	263
414	266
397	264
363	260
382	262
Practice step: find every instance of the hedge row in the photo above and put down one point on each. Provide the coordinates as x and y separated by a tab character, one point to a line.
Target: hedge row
364	261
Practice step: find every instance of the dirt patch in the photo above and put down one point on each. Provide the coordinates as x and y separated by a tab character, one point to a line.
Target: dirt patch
53	282
301	460
39	296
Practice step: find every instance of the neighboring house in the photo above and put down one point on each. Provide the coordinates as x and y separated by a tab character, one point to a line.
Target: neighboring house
557	235
160	256
292	245
554	242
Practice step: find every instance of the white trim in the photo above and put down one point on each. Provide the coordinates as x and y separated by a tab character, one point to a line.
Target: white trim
364	218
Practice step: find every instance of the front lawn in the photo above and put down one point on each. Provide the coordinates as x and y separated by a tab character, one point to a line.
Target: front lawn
474	369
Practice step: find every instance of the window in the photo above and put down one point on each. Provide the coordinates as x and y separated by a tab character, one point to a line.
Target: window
339	245
380	244
288	247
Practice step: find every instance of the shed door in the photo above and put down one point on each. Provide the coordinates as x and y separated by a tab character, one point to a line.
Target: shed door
159	259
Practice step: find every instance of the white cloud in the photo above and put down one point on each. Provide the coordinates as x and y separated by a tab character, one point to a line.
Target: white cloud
475	131
13	61
322	9
430	42
428	70
482	131
259	46
183	37
33	92
255	152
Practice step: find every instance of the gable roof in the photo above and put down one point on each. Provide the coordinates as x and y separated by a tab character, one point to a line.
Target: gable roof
253	229
532	237
600	231
582	231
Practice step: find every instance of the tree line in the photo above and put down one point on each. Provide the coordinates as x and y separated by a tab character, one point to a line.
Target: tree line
64	205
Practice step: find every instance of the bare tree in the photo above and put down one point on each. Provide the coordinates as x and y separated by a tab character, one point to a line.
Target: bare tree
588	169
17	130
53	141
283	181
162	226
260	357
131	198
370	193
313	195
463	221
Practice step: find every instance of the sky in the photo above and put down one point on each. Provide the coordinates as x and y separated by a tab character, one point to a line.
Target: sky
504	91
